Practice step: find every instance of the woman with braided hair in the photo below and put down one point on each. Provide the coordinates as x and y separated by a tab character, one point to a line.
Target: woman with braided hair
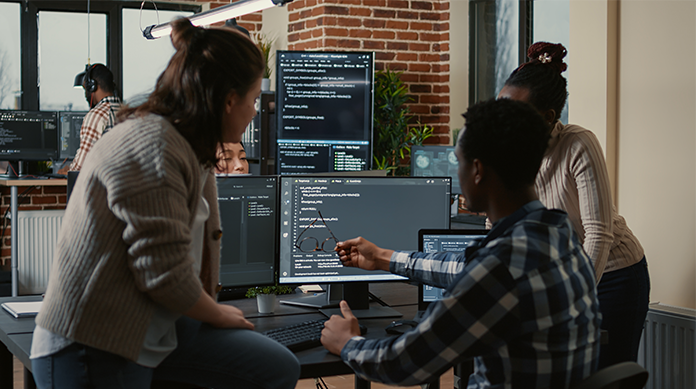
573	177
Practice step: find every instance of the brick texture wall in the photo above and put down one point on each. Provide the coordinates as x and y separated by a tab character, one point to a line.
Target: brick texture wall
407	36
31	198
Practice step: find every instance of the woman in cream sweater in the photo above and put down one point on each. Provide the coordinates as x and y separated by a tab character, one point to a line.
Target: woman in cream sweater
131	292
573	177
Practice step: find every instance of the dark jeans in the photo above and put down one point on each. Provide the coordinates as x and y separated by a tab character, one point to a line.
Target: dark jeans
623	300
205	356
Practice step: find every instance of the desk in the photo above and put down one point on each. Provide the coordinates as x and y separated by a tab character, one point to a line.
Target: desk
13	184
16	334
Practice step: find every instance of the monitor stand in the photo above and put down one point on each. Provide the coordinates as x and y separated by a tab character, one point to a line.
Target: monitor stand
356	295
328	299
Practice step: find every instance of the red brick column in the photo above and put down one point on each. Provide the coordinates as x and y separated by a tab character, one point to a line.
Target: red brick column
31	198
408	36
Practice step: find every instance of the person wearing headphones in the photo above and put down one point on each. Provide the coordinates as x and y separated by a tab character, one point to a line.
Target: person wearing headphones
99	87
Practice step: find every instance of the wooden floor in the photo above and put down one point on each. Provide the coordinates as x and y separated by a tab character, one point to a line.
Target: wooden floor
336	382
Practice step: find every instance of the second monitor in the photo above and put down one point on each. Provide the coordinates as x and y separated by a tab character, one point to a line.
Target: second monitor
316	212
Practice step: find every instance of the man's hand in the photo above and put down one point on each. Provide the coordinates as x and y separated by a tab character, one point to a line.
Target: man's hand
338	330
360	252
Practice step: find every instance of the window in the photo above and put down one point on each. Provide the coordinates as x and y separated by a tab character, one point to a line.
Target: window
46	46
494	36
59	63
10	54
144	60
551	23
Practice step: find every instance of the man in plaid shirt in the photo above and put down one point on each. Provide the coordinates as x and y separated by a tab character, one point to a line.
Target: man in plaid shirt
99	92
522	302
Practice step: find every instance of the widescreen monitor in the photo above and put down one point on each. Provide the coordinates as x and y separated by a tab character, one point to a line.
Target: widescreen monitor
388	211
435	161
70	123
28	135
324	107
249	217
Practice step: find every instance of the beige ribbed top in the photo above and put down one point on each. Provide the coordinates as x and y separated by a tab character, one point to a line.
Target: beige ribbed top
124	243
573	177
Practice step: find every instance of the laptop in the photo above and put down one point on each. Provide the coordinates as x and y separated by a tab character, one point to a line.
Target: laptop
433	240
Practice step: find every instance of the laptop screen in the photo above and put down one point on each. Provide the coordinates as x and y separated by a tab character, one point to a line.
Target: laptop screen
431	241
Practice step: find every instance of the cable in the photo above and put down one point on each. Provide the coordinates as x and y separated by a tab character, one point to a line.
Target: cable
377	299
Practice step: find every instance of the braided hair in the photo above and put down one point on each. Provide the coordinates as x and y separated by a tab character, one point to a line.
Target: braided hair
541	75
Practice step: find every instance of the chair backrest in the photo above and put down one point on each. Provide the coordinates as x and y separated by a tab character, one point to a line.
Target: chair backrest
624	375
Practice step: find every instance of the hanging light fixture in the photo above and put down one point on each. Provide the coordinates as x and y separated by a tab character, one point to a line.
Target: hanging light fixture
220	14
81	76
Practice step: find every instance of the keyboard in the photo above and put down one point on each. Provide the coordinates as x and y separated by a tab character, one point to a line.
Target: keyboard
298	337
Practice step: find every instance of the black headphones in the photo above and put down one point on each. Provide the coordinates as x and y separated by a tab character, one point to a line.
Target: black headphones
89	83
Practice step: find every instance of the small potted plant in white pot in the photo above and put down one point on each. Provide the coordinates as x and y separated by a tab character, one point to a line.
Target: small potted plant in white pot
265	296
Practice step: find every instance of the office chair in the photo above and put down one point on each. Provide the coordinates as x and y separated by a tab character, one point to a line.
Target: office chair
624	375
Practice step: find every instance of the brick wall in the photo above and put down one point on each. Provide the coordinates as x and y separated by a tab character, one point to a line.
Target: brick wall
31	198
407	36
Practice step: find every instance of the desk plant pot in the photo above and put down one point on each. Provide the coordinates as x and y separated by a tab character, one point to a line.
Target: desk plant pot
265	296
266	303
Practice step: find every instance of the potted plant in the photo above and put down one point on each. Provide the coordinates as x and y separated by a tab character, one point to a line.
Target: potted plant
394	135
265	296
265	44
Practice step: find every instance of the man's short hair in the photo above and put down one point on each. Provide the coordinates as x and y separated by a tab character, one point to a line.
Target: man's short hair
508	136
103	76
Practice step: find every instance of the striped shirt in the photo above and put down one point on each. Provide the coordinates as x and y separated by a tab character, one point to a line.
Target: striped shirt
522	302
573	177
96	123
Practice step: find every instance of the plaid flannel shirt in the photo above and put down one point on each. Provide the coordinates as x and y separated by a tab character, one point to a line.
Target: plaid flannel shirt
522	302
96	123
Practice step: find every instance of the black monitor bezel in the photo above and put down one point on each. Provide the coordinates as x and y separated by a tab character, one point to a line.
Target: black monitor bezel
278	117
276	232
456	189
35	156
423	305
328	176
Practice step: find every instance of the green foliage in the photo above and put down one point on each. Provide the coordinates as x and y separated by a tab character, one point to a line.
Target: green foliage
265	44
393	135
273	289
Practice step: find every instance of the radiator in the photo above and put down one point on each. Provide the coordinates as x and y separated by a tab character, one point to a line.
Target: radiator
667	347
37	236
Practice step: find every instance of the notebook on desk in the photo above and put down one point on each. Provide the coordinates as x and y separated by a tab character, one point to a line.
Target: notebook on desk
22	309
432	241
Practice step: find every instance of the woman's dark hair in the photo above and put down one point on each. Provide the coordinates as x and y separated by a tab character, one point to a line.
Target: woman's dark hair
542	77
507	135
208	65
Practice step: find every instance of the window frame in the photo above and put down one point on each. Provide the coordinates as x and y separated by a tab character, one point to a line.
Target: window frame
525	26
29	82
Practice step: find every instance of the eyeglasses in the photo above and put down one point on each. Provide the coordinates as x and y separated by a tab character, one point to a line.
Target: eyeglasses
311	244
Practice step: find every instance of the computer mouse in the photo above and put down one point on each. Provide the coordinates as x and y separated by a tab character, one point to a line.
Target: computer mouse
363	329
398	327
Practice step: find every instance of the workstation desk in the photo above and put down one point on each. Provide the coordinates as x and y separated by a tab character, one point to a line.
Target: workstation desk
16	334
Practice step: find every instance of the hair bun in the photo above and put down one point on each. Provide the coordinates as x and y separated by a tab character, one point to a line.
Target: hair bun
548	53
183	33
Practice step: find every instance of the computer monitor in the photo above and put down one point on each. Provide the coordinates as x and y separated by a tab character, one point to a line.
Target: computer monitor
436	240
435	161
324	104
249	217
70	123
388	211
28	136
